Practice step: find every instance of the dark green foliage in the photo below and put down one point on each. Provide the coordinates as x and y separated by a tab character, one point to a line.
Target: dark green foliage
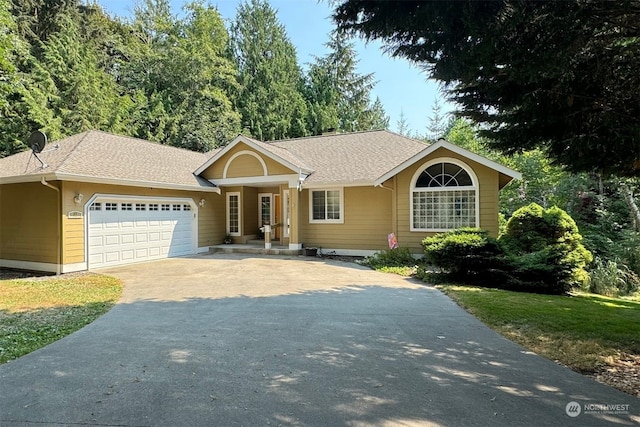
466	253
545	251
540	252
399	257
557	75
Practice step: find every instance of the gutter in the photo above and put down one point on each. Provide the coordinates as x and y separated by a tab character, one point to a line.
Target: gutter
44	182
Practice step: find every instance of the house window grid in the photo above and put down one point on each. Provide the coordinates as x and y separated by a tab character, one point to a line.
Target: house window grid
109	206
233	214
126	206
96	206
153	206
439	202
327	206
166	207
141	206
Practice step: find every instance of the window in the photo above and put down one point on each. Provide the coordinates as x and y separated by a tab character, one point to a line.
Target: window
443	197
126	206
326	206
186	207
141	207
95	206
264	209
110	206
153	206
233	214
176	207
166	207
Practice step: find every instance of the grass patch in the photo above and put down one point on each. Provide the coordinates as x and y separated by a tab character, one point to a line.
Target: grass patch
37	312
401	271
583	331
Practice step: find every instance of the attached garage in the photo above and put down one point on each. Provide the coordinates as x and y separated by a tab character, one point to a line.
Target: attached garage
123	230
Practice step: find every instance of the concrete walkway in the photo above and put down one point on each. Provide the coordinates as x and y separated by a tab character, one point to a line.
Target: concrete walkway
237	340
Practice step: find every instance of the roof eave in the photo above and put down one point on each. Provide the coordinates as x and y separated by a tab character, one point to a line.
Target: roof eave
103	180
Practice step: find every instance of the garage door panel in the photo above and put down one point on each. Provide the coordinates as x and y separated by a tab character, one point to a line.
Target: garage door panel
123	234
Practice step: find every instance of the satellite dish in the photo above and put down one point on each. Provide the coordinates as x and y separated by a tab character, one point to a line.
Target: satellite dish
37	141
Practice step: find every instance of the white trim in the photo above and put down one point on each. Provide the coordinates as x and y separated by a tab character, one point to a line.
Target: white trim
265	172
242	139
295	246
451	147
228	225
260	196
326	221
71	268
111	181
104	197
475	186
286	206
42	266
292	180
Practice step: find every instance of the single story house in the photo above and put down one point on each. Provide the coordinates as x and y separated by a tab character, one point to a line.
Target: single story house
96	199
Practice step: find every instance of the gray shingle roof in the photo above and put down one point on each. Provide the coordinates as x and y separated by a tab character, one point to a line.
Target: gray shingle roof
358	157
106	156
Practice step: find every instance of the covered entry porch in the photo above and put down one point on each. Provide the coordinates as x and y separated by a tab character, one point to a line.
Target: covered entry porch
255	214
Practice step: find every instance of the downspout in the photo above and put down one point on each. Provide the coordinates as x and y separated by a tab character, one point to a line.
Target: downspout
44	182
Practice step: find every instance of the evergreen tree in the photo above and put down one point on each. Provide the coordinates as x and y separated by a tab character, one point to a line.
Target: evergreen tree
438	123
338	96
557	75
402	126
270	99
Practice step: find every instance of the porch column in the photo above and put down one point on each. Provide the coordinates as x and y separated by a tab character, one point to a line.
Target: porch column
294	219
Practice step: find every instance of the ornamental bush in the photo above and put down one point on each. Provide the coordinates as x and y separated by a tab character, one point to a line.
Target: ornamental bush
544	249
465	253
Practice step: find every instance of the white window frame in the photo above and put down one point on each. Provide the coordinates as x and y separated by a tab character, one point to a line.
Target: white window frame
260	196
285	213
474	187
229	232
326	221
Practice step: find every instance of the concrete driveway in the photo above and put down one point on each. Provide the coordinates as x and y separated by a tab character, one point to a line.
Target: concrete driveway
226	340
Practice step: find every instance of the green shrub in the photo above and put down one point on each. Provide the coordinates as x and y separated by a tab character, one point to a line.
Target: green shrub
611	278
545	251
399	257
467	253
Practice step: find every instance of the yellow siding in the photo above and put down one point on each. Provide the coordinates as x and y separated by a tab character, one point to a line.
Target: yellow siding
367	221
211	217
488	197
244	165
29	222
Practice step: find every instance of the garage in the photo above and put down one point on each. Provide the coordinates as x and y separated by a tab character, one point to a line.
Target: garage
124	230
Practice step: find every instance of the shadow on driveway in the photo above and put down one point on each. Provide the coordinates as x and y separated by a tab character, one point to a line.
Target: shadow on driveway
365	349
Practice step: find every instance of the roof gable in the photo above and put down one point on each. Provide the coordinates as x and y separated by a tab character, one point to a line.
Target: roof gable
275	153
503	170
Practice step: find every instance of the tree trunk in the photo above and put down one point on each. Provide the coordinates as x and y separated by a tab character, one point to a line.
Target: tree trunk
628	197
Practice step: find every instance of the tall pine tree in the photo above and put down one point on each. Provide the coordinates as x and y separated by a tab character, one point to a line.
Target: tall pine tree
270	98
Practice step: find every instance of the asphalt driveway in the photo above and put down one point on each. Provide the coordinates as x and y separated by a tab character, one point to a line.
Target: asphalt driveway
225	340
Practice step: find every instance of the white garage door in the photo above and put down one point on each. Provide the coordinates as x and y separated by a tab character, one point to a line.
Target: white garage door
123	231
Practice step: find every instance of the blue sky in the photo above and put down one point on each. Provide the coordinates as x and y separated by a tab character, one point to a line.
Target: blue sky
401	86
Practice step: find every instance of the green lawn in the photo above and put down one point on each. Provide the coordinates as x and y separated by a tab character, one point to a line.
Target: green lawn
36	312
582	331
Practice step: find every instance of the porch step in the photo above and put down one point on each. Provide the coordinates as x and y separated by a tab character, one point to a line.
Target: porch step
254	249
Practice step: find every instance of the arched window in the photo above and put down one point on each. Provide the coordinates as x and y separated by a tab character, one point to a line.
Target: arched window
443	197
